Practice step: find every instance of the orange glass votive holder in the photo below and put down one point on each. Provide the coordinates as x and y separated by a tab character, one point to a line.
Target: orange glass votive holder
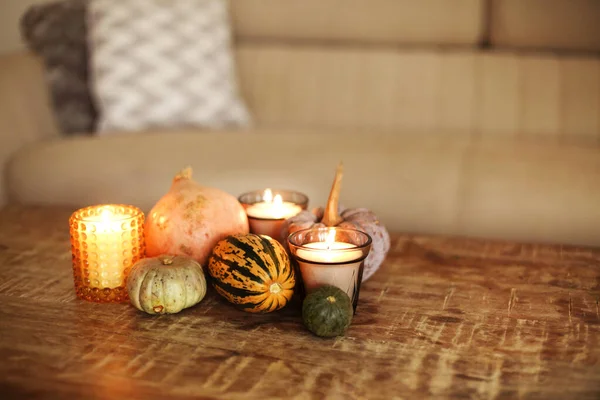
106	240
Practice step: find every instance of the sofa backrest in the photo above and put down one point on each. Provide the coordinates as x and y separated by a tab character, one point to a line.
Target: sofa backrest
403	65
541	25
392	22
563	25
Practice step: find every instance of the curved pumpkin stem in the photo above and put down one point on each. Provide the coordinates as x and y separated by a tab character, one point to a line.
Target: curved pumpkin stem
331	217
185	173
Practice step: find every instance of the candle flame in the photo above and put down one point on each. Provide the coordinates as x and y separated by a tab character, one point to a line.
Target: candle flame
268	196
106	215
330	238
278	201
106	221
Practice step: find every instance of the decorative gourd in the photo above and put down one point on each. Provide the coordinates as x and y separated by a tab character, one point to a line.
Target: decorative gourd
327	311
253	272
353	218
166	284
190	219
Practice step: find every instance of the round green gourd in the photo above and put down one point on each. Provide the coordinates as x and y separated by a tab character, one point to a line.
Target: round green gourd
327	311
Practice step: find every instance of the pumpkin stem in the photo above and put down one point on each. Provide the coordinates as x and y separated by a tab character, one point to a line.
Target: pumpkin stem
331	217
185	173
167	261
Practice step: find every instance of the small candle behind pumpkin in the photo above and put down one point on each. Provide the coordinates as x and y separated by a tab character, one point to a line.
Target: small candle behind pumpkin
272	207
267	210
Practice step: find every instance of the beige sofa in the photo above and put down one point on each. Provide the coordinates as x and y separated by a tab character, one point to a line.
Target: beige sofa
466	117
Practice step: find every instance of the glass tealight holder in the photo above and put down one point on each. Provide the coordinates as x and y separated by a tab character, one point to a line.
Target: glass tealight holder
331	256
106	240
268	209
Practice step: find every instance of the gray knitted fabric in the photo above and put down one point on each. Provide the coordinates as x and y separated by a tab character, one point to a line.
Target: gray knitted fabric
57	33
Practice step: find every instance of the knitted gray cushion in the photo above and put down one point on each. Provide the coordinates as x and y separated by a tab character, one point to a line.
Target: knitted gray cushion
57	33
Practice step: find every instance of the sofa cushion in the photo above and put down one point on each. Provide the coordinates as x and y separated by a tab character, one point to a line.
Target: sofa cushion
485	93
56	32
433	22
546	24
415	182
24	113
158	64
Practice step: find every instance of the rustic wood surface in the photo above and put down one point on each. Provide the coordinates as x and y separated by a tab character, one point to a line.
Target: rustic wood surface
444	317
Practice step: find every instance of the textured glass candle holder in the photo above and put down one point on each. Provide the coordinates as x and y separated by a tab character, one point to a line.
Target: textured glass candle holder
331	256
106	241
266	216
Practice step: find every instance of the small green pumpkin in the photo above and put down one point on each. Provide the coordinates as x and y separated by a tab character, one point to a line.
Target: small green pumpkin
166	284
253	272
327	311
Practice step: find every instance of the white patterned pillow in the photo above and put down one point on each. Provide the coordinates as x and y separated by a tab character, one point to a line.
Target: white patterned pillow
159	64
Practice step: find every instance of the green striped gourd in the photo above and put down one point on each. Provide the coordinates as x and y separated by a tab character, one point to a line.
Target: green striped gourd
253	272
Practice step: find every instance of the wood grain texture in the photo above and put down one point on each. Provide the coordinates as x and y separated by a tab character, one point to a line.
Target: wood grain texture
444	317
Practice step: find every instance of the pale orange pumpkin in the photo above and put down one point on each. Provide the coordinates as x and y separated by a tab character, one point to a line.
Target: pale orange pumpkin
190	219
353	218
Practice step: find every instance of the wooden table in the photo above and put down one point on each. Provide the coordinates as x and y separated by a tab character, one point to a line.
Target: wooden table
444	317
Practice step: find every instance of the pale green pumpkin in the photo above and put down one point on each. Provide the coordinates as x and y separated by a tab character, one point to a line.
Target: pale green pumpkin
166	284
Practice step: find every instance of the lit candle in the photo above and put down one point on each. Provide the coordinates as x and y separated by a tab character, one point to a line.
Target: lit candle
273	207
331	262
328	251
266	216
106	241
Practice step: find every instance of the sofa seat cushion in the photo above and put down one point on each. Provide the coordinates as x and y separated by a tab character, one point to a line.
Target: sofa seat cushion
416	182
